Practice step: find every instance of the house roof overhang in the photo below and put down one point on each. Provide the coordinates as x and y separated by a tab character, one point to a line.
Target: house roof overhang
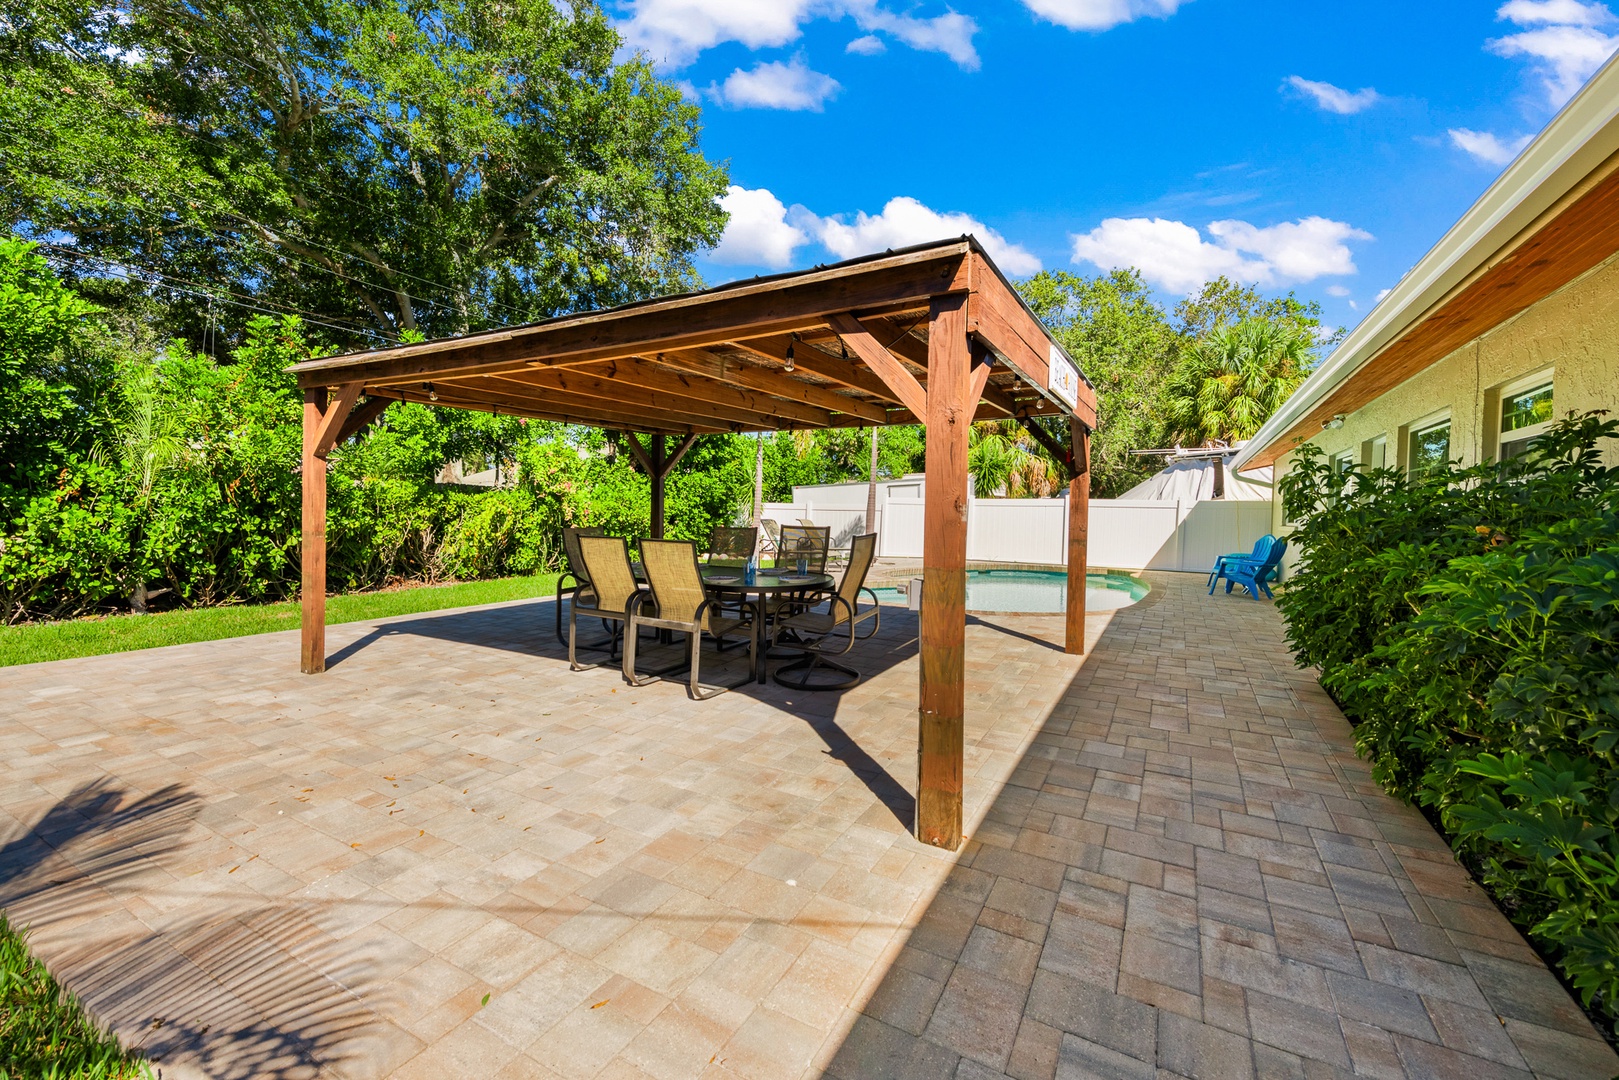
1550	217
718	360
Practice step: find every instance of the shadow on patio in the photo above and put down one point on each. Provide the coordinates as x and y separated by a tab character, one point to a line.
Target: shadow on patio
1189	873
253	991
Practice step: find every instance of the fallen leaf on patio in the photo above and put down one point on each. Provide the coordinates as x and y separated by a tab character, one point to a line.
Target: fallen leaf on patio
526	828
233	869
390	778
602	840
421	832
465	790
485	1000
354	845
308	789
390	804
600	1003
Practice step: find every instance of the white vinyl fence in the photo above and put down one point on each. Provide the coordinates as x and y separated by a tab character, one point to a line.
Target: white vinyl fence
1124	535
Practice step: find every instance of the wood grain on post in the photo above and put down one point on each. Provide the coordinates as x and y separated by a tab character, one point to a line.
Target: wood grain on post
312	554
940	738
1079	527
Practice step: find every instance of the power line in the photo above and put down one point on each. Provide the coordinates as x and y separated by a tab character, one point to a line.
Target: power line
194	288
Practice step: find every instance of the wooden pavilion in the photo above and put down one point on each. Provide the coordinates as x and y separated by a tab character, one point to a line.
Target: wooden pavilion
932	334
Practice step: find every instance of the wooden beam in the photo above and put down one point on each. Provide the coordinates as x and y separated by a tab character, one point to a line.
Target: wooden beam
507	396
638	452
557	414
835	368
689	384
333	417
604	392
766	307
1079	518
978	380
1059	453
658	473
312	545
362	417
940	766
776	384
677	453
984	411
895	375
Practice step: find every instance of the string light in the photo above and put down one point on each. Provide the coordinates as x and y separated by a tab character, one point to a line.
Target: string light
432	395
790	342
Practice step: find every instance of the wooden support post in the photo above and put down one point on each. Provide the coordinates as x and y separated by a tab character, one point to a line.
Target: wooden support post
312	554
1079	527
940	737
657	473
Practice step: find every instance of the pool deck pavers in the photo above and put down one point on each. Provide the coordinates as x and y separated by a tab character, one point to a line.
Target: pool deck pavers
450	856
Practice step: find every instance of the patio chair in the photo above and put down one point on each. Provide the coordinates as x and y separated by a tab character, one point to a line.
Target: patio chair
573	566
1262	548
1253	575
824	634
612	590
732	545
809	542
770	542
806	523
678	601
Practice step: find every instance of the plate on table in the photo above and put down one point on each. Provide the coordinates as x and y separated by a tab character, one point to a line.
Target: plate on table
722	579
796	579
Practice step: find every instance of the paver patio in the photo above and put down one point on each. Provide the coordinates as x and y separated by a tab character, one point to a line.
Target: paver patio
450	856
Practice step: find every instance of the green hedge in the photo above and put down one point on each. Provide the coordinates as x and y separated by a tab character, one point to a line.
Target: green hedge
1468	623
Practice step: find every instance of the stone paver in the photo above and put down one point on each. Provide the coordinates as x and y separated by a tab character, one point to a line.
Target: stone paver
450	856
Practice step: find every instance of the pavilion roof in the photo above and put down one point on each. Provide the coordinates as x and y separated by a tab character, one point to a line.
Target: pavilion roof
717	360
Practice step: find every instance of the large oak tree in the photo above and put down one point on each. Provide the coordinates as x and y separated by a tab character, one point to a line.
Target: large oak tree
386	166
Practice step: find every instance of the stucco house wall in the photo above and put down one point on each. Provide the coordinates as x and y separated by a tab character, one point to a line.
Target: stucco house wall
1574	332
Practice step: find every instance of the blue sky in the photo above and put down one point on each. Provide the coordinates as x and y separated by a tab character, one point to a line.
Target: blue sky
1319	147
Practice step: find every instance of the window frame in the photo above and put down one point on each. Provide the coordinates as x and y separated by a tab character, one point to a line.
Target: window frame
1418	428
1529	432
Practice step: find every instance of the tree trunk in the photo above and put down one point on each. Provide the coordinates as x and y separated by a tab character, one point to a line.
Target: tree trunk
137	598
871	486
758	479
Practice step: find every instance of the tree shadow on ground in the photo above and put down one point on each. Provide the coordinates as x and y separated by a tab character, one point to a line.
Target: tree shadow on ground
248	991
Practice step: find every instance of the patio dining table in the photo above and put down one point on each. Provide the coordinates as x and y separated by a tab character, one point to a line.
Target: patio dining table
766	584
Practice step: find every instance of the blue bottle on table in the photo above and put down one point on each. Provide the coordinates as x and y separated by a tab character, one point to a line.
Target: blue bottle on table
750	573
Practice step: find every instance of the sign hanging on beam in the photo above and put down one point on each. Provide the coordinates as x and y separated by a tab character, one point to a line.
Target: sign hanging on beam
1064	377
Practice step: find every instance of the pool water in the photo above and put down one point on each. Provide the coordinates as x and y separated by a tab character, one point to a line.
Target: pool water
1037	591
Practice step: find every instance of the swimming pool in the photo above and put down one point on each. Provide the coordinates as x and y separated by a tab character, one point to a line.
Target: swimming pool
1037	591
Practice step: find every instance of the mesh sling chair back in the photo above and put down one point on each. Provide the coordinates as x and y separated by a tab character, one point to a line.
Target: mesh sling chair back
770	542
823	634
732	545
573	566
677	600
612	590
808	542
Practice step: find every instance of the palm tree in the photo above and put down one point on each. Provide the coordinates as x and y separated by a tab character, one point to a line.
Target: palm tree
149	439
1003	460
1232	380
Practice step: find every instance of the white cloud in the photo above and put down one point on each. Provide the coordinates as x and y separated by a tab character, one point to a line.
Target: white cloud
870	45
950	33
1488	147
758	232
1378	299
674	32
905	221
1333	98
1177	257
1101	14
1339	291
793	86
1562	42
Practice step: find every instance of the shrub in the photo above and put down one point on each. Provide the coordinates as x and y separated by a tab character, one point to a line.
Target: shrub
1468	622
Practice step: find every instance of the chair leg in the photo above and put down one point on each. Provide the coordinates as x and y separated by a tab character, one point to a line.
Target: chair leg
573	639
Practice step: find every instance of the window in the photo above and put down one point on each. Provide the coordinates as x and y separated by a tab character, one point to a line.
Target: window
1429	448
1376	453
1343	466
1526	413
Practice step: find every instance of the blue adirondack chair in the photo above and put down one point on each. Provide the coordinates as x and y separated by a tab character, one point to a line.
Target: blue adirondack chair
1253	575
1260	553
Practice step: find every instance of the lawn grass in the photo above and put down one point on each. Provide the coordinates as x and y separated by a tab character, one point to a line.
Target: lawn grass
44	1032
34	642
